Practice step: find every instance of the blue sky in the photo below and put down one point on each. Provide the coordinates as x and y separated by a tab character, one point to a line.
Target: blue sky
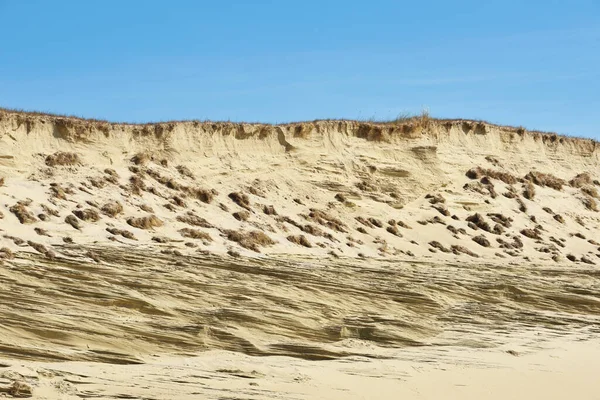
535	64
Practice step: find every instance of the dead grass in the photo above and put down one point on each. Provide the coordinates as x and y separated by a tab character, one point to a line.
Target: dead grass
506	177
112	209
40	248
185	171
240	199
269	210
6	254
437	245
300	240
137	184
531	233
141	158
22	214
393	230
241	215
590	203
545	180
590	191
456	249
479	221
121	232
73	221
581	180
481	240
202	194
61	158
148	222
252	240
559	218
528	190
192	219
322	218
89	215
1	181
58	192
195	234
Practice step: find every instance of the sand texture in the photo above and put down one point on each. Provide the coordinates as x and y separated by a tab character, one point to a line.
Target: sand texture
423	259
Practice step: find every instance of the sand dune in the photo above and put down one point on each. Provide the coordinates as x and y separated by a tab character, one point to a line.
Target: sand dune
306	260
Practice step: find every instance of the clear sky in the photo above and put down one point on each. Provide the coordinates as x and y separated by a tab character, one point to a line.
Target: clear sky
531	63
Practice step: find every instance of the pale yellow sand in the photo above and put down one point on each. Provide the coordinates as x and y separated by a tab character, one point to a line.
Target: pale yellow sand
374	308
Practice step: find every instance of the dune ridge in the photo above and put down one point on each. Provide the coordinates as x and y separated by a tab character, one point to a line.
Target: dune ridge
305	260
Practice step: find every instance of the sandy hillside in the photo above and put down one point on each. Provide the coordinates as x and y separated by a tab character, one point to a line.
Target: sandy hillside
322	259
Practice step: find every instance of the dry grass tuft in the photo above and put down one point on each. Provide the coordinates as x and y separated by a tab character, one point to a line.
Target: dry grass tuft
590	191
204	195
1	181
195	234
6	254
581	180
62	159
559	218
121	232
148	222
192	219
437	245
185	171
252	240
269	210
241	215
531	233
481	240
141	158
456	249
322	218
393	230
88	214
112	209
545	180
299	240
40	248
476	221
21	212
74	222
528	190
478	173
240	199
590	203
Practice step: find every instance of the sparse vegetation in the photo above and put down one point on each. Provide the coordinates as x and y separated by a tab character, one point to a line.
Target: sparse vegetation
528	190
22	214
73	221
192	219
62	159
481	240
88	214
252	240
299	240
269	210
581	180
147	222
121	232
240	199
478	173
590	203
185	171
241	215
545	180
112	208
195	234
6	254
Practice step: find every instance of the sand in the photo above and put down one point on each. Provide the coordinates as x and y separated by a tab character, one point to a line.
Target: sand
328	259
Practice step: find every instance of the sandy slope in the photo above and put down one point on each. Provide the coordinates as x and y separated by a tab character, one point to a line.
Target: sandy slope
326	260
